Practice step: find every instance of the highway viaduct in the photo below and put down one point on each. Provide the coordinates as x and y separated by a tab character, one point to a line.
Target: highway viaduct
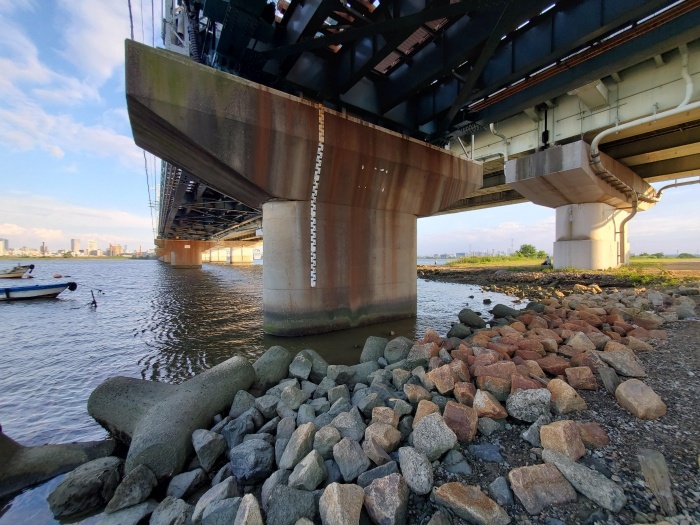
342	122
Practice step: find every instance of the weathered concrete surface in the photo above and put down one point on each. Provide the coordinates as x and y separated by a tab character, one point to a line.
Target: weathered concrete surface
186	254
563	175
22	466
365	267
158	419
255	143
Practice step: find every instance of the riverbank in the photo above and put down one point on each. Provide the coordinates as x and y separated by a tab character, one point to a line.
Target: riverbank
451	426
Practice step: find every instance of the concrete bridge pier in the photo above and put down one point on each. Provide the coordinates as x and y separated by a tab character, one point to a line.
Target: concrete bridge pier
592	204
184	253
588	236
360	269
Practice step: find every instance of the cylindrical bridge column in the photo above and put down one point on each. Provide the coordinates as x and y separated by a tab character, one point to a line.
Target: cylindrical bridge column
365	269
185	254
587	238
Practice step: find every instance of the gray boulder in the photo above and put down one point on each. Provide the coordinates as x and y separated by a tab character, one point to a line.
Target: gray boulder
222	512
134	488
397	349
532	434
271	367
416	469
187	483
594	485
267	405
350	425
234	431
470	318
300	367
279	477
306	414
528	405
366	478
172	511
309	472
338	392
340	374
287	506
242	401
300	444
208	446
501	310
459	330
351	459
500	491
130	515
226	489
293	397
252	461
433	437
373	349
88	487
325	439
319	365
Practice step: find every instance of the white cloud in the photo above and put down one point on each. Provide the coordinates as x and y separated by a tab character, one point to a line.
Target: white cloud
94	33
24	216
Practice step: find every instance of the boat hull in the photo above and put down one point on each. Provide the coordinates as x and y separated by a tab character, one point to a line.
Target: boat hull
17	272
46	291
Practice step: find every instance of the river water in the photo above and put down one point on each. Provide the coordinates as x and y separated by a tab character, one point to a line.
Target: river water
158	323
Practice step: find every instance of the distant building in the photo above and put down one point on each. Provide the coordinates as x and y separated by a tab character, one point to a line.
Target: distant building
5	244
92	247
114	250
75	245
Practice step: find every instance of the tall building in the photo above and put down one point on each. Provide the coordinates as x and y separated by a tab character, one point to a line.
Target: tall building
92	247
5	244
75	245
114	250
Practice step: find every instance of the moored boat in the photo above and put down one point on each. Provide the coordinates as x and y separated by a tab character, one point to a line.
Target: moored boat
16	272
38	291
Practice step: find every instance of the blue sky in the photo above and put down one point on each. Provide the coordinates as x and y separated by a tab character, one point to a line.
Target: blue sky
69	167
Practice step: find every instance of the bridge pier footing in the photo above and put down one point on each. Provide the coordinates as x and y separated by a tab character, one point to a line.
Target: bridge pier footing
364	270
587	236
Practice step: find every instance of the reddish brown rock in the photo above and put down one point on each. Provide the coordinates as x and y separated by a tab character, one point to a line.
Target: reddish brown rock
580	341
519	326
462	354
481	339
462	420
464	392
431	336
527	355
538	322
539	486
488	406
504	349
581	378
502	369
563	436
384	435
435	362
534	368
425	408
623	361
442	378
593	435
658	334
385	415
526	318
646	323
639	399
564	398
568	351
416	393
520	382
633	343
470	504
460	371
532	345
497	386
553	364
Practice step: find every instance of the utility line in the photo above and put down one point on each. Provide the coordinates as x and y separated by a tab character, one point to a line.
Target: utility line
143	35
148	188
153	25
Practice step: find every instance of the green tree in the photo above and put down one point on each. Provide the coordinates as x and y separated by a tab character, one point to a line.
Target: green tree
658	255
67	254
527	250
686	255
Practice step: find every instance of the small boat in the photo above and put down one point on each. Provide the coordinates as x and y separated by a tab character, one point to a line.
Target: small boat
38	291
16	272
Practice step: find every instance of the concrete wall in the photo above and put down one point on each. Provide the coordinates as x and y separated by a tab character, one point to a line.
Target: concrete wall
365	267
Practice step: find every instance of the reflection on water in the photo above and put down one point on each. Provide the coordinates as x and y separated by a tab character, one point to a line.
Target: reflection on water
157	323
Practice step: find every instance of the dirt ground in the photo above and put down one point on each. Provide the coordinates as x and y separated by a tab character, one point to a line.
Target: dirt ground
673	370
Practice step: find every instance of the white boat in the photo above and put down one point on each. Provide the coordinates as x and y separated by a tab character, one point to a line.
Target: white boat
16	272
38	291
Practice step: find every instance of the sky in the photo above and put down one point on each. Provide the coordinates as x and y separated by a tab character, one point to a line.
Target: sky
69	168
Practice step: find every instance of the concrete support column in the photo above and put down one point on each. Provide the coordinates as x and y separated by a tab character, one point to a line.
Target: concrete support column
185	254
586	236
365	267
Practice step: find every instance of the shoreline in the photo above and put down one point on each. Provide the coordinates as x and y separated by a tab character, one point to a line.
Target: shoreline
668	372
